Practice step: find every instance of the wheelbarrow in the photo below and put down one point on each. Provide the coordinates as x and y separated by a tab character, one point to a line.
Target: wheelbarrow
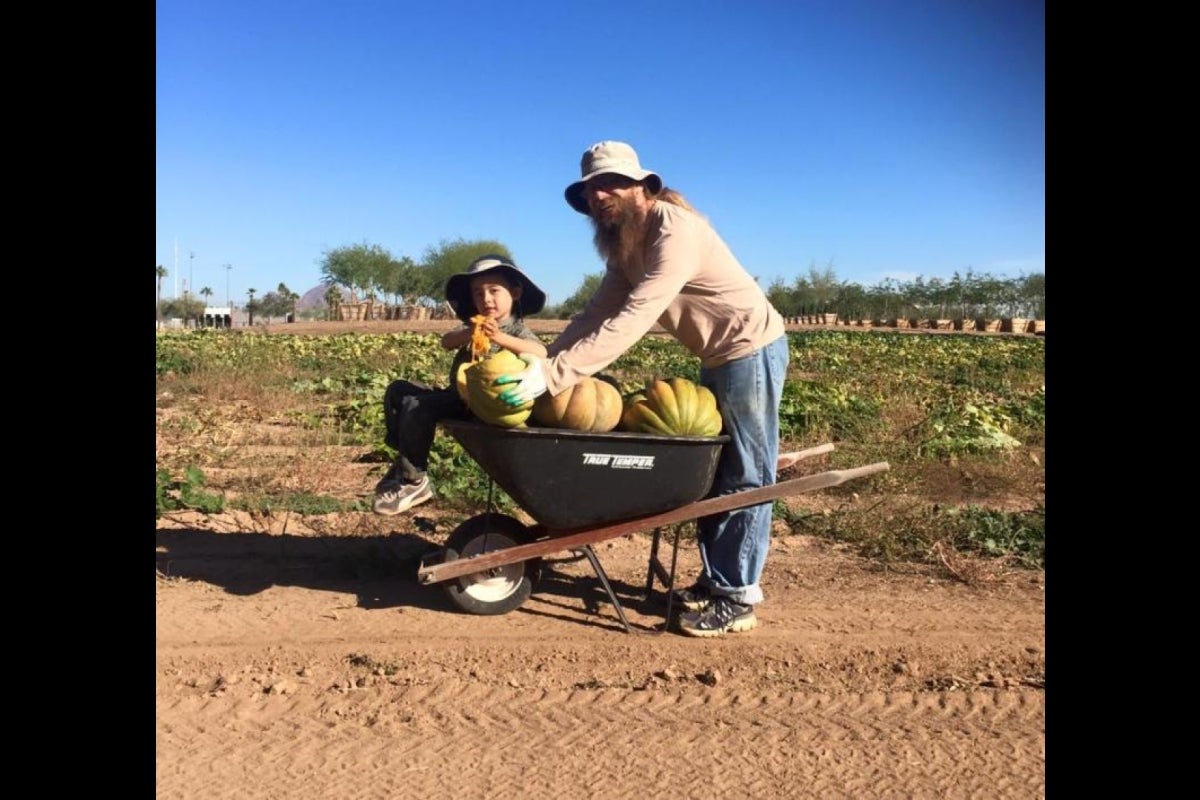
583	488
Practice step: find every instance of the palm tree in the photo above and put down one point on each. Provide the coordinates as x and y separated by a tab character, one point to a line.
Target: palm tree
250	305
290	298
333	296
160	272
207	293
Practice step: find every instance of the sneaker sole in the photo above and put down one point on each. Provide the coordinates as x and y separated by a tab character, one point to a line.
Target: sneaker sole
737	626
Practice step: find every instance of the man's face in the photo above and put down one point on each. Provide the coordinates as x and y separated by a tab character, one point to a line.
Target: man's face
611	197
618	208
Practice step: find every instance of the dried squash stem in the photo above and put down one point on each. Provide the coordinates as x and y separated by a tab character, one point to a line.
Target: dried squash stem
480	343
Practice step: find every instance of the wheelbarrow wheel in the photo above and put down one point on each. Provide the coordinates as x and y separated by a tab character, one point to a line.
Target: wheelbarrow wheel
500	589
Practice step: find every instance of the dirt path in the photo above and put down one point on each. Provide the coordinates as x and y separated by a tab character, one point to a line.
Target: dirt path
315	666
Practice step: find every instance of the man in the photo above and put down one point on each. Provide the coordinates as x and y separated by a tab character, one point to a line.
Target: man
666	264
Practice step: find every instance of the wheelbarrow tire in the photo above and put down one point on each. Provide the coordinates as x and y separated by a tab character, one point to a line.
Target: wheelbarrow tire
498	590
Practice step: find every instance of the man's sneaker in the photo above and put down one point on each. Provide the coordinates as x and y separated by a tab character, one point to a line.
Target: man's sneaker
694	597
400	497
721	616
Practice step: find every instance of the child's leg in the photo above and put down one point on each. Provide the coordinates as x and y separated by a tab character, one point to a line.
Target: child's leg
413	413
393	409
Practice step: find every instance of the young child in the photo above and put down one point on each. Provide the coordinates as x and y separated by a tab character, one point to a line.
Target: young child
494	288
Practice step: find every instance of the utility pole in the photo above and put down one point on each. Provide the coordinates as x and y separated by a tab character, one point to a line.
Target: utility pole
192	286
228	302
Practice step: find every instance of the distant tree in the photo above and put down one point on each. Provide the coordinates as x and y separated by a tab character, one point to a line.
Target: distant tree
886	299
916	296
250	305
400	279
183	307
270	305
968	296
333	296
938	295
1033	295
160	272
824	287
576	302
995	294
782	298
291	298
358	266
851	302
804	300
279	303
173	307
206	292
973	294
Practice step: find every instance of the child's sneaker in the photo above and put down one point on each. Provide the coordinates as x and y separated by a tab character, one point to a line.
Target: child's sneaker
397	497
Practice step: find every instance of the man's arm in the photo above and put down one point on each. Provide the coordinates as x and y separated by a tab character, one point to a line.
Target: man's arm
672	260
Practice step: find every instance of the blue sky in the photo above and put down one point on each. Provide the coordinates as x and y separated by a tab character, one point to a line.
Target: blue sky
879	138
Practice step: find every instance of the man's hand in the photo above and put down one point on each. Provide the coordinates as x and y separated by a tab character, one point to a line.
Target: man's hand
527	384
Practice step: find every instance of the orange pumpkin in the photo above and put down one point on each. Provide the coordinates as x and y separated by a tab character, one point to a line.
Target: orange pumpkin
674	407
594	404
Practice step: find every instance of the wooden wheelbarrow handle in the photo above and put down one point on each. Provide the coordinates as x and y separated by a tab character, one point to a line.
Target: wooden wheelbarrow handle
786	460
578	537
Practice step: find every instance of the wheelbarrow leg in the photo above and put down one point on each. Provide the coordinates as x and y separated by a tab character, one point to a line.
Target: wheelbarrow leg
653	562
655	569
603	576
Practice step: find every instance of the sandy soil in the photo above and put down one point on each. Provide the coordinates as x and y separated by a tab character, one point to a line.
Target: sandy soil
315	665
301	658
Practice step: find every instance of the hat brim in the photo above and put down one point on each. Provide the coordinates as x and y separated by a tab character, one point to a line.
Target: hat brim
458	291
574	192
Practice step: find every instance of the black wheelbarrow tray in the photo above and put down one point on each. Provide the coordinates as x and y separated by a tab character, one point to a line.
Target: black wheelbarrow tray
582	488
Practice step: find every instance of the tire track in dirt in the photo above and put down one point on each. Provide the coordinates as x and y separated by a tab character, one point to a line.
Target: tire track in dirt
497	743
293	667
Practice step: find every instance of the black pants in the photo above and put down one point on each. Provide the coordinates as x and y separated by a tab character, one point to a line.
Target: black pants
411	413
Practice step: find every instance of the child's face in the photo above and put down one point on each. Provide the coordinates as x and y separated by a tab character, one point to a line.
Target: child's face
493	297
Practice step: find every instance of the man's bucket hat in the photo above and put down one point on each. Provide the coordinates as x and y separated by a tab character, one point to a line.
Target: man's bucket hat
605	158
458	287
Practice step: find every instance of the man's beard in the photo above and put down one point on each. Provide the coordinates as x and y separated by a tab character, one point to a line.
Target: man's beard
621	238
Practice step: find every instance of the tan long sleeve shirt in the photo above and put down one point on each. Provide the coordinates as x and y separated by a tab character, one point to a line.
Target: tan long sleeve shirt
687	281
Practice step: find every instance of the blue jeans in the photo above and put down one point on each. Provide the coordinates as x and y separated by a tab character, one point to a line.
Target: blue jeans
734	544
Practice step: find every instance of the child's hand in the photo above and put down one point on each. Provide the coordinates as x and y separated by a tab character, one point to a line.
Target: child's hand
490	328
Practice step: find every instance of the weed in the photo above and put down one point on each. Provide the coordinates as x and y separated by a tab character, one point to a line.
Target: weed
939	535
971	425
298	503
1020	536
187	492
